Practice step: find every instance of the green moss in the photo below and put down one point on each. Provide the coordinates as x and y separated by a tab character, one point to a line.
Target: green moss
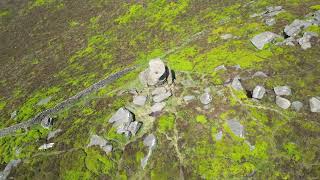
183	60
201	119
166	123
315	7
97	163
73	23
293	151
287	16
73	167
314	28
2	104
4	13
39	3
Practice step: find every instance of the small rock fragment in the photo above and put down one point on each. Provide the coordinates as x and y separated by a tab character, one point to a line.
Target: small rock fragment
226	36
236	127
221	67
219	136
259	74
47	122
236	84
263	38
188	98
161	97
305	40
150	141
295	27
282	90
270	21
282	102
46	146
13	115
157	107
134	127
297	105
53	134
314	104
258	92
205	98
139	100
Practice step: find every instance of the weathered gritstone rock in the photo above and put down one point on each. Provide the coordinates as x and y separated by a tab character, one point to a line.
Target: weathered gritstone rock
158	90
150	142
314	104
236	84
236	127
46	146
297	105
258	92
287	42
156	74
205	98
12	164
188	98
53	134
296	26
47	122
259	74
282	90
139	100
96	140
263	38
161	97
121	120
157	107
305	40
282	102
270	21
134	127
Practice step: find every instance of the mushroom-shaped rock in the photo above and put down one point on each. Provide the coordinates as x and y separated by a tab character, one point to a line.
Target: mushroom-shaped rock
121	119
263	38
296	26
297	105
205	98
258	92
236	127
282	90
282	102
314	104
139	100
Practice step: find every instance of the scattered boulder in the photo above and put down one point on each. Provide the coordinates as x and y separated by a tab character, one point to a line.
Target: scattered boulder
188	98
236	84
297	105
53	134
134	127
44	101
157	107
287	42
96	140
161	97
139	100
295	27
305	40
282	102
282	90
273	11
226	36
46	146
121	120
259	74
270	21
205	98
263	38
258	92
12	164
156	74
314	104
236	127
47	122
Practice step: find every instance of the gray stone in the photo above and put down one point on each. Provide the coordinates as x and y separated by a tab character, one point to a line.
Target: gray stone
46	146
219	136
96	140
12	164
287	42
44	101
121	120
139	100
295	27
270	21
304	41
161	97
205	98
207	90
297	105
282	102
221	67
314	104
274	8
150	141
158	90
53	134
157	107
258	92
236	127
188	98
134	127
226	36
263	38
282	90
260	74
13	115
47	122
156	70
236	84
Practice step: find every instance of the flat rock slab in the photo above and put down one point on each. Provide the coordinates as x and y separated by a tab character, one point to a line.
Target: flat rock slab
314	104
158	90
236	127
260	74
296	26
297	105
236	84
139	100
282	90
96	140
305	40
282	102
258	92
263	38
205	98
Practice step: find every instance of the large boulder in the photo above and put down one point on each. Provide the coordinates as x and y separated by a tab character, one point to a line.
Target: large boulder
156	74
314	104
263	38
96	140
295	27
121	120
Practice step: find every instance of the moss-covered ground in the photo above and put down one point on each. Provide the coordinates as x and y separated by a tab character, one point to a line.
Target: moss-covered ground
56	48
